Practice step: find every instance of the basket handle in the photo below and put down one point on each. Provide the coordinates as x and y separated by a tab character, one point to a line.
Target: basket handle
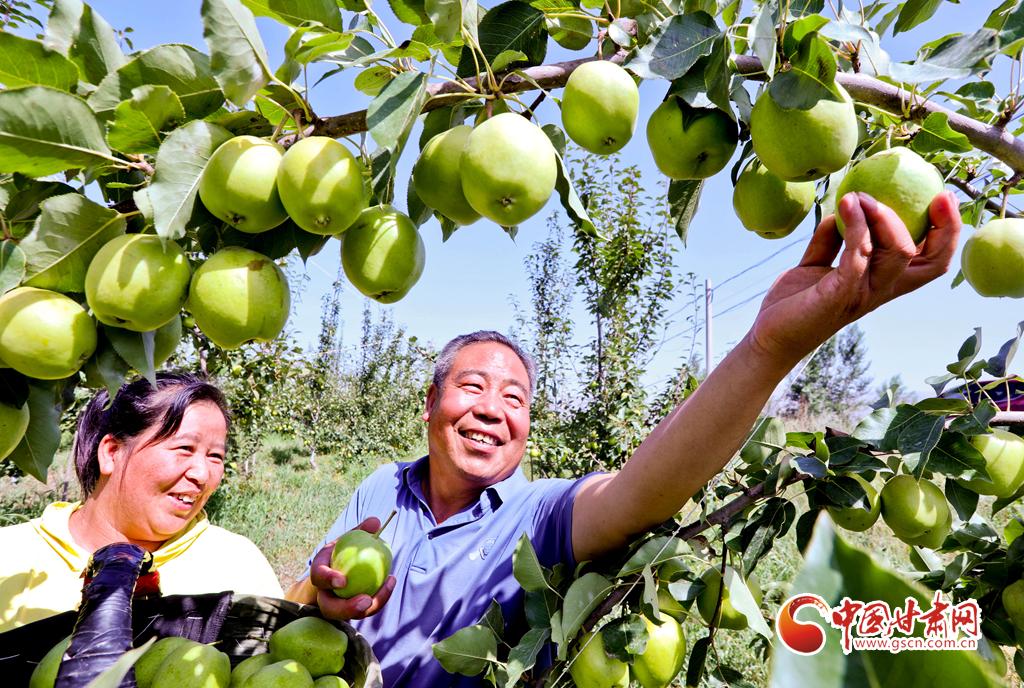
103	631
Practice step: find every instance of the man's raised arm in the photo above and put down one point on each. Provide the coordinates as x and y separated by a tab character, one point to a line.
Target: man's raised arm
806	305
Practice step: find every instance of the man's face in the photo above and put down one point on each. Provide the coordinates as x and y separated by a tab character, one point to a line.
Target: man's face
479	419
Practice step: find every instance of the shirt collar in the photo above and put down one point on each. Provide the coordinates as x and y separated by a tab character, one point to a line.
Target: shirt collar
413	474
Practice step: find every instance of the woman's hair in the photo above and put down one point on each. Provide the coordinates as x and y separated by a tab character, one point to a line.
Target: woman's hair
137	407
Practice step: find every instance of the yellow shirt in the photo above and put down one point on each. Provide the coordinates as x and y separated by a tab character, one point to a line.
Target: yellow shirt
41	565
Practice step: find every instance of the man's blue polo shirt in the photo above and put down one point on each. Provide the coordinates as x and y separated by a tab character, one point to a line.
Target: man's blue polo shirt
448	574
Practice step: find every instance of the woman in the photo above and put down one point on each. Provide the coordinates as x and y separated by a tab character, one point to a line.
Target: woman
147	463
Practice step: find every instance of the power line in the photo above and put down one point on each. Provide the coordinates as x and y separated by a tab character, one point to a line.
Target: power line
764	260
745	301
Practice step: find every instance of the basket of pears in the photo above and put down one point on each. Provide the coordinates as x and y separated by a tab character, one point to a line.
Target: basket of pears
218	640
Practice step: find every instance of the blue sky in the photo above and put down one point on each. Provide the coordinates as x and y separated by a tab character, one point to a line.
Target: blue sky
469	281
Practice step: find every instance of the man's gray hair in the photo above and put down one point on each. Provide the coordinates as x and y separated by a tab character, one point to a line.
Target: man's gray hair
443	365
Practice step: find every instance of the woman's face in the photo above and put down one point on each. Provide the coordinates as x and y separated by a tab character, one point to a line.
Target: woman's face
158	487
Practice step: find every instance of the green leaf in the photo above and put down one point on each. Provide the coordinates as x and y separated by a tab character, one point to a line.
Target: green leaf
24	62
526	567
507	59
509	26
963	500
915	12
675	46
956	457
655	551
812	77
321	45
183	69
179	165
410	11
743	601
136	348
237	56
295	12
468	651
524	655
446	16
373	79
392	113
78	32
874	427
763	36
583	597
112	677
106	367
683	199
243	122
834	569
936	135
67	234
139	122
571	201
44	131
35	452
12	266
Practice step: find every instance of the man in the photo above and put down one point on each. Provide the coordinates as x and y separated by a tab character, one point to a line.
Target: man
462	508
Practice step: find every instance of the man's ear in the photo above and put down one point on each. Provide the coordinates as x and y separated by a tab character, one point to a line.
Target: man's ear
431	398
107	454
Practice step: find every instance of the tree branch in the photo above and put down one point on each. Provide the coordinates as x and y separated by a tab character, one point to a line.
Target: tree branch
990	204
547	76
994	140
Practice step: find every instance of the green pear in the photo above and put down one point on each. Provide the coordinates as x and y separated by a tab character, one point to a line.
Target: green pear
44	334
239	184
365	559
663	658
45	673
728	616
1004	461
508	169
1013	602
911	507
330	682
137	282
593	667
932	538
249	666
287	673
803	145
321	185
194	665
13	424
995	657
993	258
854	518
688	142
436	175
599	106
902	180
239	296
383	254
317	644
150	661
768	205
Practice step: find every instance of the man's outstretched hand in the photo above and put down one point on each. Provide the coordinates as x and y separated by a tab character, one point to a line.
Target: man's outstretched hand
325	579
811	302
